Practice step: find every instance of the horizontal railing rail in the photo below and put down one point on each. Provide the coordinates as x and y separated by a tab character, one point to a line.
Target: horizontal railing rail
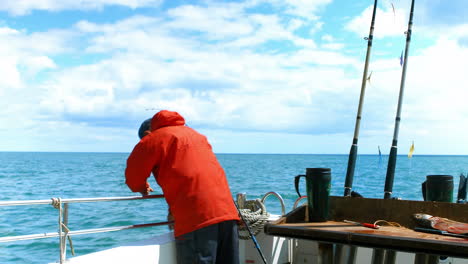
81	232
80	200
64	232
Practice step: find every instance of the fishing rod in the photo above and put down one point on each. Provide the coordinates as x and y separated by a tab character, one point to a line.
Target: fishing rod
254	240
353	151
393	150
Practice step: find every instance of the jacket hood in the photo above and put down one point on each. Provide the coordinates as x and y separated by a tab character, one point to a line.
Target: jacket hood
165	118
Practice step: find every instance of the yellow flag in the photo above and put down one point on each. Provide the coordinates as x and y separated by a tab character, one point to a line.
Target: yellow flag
411	150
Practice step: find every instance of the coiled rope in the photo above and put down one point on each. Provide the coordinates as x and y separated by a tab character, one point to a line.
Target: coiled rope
256	215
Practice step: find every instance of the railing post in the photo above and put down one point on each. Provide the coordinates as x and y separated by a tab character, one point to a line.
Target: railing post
65	224
61	239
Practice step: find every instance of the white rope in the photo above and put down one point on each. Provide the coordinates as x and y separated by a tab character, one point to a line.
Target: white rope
57	204
67	230
256	215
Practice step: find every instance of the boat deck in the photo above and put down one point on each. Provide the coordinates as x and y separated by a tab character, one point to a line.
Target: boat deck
146	251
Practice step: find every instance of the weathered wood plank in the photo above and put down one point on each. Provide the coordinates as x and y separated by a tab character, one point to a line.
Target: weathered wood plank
371	210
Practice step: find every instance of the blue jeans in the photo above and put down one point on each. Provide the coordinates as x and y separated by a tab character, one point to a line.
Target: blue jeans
214	244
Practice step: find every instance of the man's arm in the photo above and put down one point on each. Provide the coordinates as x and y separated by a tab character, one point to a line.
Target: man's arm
139	166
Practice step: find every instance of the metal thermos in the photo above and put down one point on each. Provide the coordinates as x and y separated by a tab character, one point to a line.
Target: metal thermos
318	184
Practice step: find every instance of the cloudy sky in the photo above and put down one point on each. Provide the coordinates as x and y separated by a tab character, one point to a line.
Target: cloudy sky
255	76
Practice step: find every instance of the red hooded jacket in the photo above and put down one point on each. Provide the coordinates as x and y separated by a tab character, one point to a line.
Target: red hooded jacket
184	165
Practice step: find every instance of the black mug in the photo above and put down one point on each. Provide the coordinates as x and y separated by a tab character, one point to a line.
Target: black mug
318	184
438	188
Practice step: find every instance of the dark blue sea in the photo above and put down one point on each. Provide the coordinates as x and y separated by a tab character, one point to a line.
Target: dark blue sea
40	176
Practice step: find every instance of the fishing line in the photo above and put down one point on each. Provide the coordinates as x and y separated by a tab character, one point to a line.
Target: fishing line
387	223
254	240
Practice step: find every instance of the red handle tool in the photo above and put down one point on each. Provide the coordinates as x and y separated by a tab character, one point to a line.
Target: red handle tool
363	224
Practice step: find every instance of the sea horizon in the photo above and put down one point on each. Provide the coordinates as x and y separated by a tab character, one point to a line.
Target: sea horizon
237	153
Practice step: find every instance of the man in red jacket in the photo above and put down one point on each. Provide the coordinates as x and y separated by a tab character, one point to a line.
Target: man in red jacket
194	185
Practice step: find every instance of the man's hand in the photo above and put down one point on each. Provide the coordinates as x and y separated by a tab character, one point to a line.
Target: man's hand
170	217
147	191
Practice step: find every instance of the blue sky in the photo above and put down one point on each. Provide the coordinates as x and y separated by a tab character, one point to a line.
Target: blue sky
255	76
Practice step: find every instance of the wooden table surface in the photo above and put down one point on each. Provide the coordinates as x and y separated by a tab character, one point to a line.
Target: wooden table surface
404	238
386	237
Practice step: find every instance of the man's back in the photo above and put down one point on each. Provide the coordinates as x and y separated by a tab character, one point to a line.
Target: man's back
193	182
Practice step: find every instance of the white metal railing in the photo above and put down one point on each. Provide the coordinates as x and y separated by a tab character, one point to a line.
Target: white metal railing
64	233
283	208
298	200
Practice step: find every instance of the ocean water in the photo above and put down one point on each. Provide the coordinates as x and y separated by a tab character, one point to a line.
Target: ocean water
39	176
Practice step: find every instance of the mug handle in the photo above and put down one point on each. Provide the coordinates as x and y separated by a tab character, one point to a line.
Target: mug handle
423	189
296	183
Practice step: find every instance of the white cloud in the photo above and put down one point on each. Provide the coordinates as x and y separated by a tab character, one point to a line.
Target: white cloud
24	7
305	8
333	46
21	60
316	28
328	38
217	22
457	33
295	24
439	80
151	67
434	109
388	22
228	76
116	85
10	74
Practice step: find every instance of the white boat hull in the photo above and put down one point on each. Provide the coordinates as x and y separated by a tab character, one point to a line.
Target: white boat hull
277	250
